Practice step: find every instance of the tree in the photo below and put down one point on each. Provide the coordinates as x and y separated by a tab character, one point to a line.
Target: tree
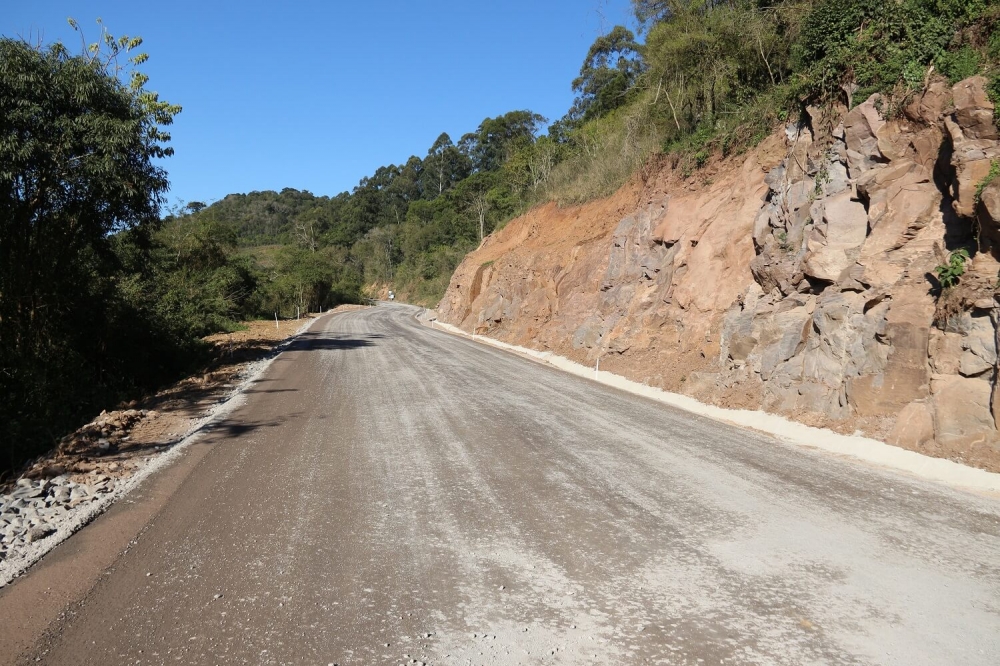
495	138
79	139
444	166
478	196
307	228
609	71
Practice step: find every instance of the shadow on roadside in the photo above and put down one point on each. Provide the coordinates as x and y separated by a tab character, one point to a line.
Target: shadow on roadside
324	342
235	428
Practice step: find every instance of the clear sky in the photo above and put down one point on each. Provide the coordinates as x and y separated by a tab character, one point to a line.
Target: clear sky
315	95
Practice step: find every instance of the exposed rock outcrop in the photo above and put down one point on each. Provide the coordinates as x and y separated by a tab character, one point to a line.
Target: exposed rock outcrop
799	279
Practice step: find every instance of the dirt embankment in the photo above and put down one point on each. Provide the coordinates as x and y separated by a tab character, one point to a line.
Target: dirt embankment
798	279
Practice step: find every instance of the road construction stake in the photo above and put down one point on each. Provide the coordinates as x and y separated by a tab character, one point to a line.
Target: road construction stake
276	322
597	367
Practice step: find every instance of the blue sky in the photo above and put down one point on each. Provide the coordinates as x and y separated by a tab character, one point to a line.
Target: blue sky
315	95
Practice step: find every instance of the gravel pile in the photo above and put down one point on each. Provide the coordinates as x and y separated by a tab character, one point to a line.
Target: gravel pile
35	509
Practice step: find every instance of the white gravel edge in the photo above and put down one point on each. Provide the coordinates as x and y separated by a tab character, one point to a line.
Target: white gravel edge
873	451
79	517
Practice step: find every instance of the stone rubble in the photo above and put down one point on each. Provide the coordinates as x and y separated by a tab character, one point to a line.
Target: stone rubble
35	508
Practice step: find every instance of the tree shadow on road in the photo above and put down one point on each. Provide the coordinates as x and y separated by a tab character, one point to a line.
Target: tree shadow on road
285	390
325	342
235	427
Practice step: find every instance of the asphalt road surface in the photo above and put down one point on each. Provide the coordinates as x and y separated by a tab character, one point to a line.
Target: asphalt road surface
391	494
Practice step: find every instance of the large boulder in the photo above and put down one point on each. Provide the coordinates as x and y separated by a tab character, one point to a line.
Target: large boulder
969	175
901	203
829	262
934	104
788	333
914	426
905	377
973	109
979	354
962	412
861	127
846	228
846	220
989	211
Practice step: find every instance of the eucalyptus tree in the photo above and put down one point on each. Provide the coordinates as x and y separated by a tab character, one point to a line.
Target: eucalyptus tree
611	68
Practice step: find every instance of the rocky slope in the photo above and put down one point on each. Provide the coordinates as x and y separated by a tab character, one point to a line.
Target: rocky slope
798	279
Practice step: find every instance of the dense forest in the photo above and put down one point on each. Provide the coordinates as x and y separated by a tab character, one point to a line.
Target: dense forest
104	293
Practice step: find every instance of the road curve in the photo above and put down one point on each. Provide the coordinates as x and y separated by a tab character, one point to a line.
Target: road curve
391	494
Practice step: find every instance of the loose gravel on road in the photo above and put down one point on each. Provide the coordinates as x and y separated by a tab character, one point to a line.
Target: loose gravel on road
391	494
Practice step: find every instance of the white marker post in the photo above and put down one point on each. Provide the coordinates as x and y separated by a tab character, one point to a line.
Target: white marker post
276	322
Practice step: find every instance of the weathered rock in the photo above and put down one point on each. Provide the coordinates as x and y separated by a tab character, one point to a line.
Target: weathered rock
789	332
588	335
962	410
846	220
814	275
800	194
860	128
989	211
933	104
837	179
972	365
945	351
40	532
979	345
969	175
829	262
903	199
905	376
894	139
973	109
914	427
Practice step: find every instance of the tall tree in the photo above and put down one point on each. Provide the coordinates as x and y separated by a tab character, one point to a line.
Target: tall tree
444	166
495	138
609	71
79	140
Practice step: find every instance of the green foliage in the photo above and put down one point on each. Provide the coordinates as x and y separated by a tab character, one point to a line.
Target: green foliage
993	174
496	138
599	156
950	274
870	44
994	92
77	175
783	241
406	226
718	76
608	74
959	64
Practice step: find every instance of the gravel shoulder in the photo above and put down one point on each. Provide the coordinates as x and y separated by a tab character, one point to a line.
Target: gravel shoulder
62	491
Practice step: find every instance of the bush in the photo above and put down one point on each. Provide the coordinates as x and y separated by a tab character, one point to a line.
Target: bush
950	274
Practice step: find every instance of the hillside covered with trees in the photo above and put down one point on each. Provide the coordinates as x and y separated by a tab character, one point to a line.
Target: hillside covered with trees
103	294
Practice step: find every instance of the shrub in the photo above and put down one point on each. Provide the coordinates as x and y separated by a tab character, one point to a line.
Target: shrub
950	274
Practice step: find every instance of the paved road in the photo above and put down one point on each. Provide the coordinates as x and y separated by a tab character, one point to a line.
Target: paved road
390	494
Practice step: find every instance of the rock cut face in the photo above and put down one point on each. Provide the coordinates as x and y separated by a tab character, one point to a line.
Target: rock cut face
799	279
